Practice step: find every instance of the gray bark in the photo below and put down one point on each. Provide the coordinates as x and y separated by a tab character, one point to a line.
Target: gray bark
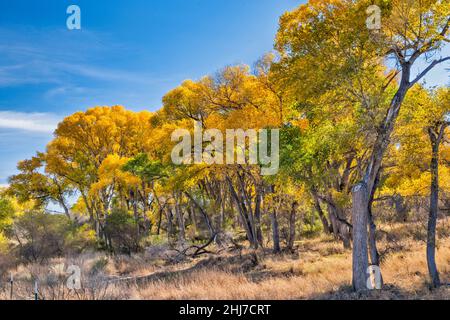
360	254
244	214
258	231
292	221
373	250
275	233
326	224
203	212
436	139
369	182
341	228
181	225
169	216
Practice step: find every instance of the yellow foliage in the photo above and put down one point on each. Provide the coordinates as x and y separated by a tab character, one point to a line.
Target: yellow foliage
4	243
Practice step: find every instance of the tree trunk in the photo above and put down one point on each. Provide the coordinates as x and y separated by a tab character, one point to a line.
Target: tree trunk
258	231
292	221
161	211
62	203
360	254
193	218
326	224
246	202
181	226
334	222
169	215
432	222
369	182
400	208
223	212
158	231
242	209
341	228
133	195
373	250
275	233
436	138
203	212
145	205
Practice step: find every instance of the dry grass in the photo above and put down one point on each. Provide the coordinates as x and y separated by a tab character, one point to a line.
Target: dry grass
309	277
320	270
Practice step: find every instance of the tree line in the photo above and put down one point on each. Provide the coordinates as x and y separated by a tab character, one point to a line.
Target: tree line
360	134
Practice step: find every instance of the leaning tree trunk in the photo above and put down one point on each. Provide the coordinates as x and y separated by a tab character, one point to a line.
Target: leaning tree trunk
203	213
325	223
360	254
341	228
247	205
244	214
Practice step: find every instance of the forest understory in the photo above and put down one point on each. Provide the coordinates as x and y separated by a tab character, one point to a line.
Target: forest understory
318	268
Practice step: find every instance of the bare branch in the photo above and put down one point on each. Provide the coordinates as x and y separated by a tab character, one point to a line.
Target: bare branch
428	69
427	46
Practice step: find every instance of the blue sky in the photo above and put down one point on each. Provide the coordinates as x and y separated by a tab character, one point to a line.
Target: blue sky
127	52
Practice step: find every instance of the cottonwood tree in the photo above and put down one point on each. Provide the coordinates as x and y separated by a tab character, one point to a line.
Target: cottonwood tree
422	130
327	43
436	130
89	150
33	184
413	30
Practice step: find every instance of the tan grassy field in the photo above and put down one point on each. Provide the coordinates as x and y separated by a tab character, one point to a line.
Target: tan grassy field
321	269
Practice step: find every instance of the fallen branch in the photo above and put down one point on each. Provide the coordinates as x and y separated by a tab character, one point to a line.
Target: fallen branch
199	250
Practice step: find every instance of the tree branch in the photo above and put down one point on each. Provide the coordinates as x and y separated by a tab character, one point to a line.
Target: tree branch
427	69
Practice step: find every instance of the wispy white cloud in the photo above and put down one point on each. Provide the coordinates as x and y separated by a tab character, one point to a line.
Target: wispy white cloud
88	69
31	122
39	57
